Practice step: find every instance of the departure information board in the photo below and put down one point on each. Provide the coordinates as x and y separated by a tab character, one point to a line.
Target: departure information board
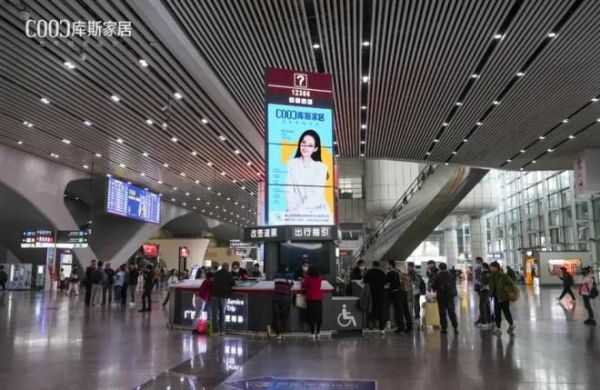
72	238
132	201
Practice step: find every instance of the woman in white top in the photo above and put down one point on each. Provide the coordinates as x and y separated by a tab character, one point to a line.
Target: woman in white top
306	179
586	286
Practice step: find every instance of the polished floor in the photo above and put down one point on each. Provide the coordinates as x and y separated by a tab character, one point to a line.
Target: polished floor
50	342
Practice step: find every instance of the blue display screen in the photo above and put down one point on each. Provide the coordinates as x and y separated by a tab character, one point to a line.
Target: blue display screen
132	201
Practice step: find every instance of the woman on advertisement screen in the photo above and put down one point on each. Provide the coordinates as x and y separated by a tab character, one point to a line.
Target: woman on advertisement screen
306	177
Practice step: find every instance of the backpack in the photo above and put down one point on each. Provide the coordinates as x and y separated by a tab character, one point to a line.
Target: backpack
97	276
594	291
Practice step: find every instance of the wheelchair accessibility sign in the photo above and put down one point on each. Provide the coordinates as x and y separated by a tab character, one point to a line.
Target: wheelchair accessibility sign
345	318
346	315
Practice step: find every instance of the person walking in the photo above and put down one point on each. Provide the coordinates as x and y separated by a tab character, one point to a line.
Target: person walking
202	298
375	281
148	276
392	279
314	300
74	281
501	285
478	270
568	282
221	291
132	282
418	288
282	301
485	315
108	283
119	282
585	288
444	285
62	280
88	281
3	277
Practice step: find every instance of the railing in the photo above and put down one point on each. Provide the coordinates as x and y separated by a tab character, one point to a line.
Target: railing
414	186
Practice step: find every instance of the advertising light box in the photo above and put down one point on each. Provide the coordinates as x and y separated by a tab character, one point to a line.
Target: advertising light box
132	201
300	149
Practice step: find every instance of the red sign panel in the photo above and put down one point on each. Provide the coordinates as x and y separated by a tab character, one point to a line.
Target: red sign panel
299	85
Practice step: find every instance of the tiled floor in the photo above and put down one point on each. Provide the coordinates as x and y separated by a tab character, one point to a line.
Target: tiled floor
55	343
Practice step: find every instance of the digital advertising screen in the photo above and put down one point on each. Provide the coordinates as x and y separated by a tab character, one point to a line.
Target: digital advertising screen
132	201
300	149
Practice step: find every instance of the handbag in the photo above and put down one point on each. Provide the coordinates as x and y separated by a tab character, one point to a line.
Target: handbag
300	301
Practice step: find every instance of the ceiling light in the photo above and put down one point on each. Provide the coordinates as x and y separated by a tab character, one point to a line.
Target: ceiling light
428	153
20	142
149	122
365	79
203	120
122	165
523	150
337	155
552	35
466	140
446	163
174	139
363	126
459	104
436	140
187	194
594	100
160	182
542	137
54	155
178	96
550	150
479	123
495	102
203	210
223	173
509	160
243	187
209	163
45	101
498	36
445	124
120	140
520	74
108	175
362	155
249	163
164	125
366	43
252	193
69	65
182	174
597	120
85	166
571	136
521	168
208	188
197	182
208	203
174	188
66	141
194	153
98	155
534	161
565	121
234	181
237	151
363	107
362	142
222	138
173	199
145	154
198	199
316	46
87	123
166	165
454	152
143	63
115	98
475	76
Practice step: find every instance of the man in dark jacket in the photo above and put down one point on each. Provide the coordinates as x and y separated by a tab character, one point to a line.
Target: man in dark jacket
148	284
358	271
445	287
567	280
87	281
392	279
375	280
221	291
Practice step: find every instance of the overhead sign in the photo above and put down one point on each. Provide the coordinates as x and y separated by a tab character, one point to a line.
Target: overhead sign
131	201
37	238
300	164
293	233
72	238
269	382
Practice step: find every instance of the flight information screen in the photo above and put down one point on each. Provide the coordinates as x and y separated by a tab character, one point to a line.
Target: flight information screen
132	201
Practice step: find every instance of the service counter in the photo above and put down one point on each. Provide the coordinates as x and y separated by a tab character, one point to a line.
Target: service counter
249	308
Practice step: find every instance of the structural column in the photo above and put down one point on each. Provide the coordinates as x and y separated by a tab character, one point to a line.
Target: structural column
478	238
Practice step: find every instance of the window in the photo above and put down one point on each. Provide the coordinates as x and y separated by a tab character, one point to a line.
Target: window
583	231
350	188
565	197
555	236
554	218
582	210
566	217
553	201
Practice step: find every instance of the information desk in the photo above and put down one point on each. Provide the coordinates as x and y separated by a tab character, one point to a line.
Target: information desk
249	308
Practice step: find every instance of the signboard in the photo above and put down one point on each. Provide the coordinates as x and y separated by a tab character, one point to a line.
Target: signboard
311	233
269	382
300	165
132	201
72	238
286	233
236	312
264	233
39	238
346	314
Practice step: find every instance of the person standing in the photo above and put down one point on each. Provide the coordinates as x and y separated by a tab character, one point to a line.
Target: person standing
97	284
477	285
3	277
359	270
314	300
431	271
375	281
511	274
568	282
282	301
132	282
256	271
148	276
392	279
119	283
301	272
237	272
585	288
501	285
107	284
172	281
88	281
62	280
444	285
74	281
485	315
418	287
221	291
202	297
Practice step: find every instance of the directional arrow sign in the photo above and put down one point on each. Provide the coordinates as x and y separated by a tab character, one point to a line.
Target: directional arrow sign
272	383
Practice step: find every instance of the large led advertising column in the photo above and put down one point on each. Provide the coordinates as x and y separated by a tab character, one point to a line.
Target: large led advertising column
300	168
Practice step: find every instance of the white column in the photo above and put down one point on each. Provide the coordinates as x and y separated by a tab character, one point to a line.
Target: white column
478	238
451	245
